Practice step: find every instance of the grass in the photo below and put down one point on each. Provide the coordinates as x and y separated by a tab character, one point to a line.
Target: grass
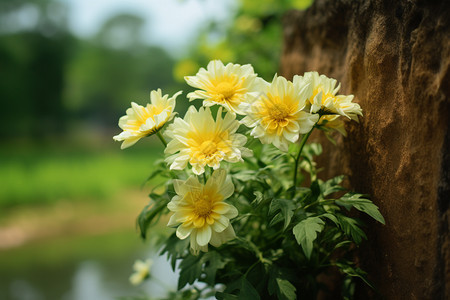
46	175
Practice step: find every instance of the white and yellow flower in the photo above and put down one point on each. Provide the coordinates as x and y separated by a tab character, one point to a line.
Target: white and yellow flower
201	140
277	117
143	121
228	85
324	96
200	211
141	271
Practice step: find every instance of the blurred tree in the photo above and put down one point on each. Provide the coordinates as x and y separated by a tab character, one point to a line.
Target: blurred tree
48	77
34	46
113	69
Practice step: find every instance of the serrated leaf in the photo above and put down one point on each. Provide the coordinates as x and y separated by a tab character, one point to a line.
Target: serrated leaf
190	270
306	232
357	201
351	228
286	208
174	247
213	262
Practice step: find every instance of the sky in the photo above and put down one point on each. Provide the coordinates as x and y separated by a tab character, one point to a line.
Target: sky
169	23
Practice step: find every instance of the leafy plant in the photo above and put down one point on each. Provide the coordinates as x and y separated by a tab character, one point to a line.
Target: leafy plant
267	227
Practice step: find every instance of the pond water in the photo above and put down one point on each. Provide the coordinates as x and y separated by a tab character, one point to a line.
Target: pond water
82	268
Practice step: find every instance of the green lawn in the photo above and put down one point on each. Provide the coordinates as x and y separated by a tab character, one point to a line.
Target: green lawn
44	175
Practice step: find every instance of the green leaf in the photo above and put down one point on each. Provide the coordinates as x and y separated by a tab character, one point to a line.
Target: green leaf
190	270
154	174
332	185
174	247
245	175
306	232
213	261
315	191
348	269
280	285
151	213
329	137
247	291
286	208
331	217
312	149
351	228
285	289
357	201
276	219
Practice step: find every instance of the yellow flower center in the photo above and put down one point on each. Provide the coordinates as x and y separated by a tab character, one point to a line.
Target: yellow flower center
202	206
225	89
208	148
279	112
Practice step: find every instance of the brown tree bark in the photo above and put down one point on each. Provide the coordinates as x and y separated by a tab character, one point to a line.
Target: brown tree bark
394	56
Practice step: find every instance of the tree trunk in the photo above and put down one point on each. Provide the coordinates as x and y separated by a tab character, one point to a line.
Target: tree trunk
394	56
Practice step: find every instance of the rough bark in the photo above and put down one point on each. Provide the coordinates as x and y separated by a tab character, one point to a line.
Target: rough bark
394	56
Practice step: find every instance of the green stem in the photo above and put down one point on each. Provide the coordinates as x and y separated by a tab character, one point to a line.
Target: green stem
302	144
161	138
325	201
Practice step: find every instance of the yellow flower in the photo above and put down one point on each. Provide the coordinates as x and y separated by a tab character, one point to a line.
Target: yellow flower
324	96
142	121
228	85
201	141
333	122
277	117
201	211
142	271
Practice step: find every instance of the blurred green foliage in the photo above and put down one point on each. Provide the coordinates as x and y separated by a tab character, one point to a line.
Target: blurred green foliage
254	37
46	175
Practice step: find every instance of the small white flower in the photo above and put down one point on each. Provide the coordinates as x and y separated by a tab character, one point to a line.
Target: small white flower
323	96
142	271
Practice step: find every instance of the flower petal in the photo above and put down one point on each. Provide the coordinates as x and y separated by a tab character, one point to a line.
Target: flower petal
203	235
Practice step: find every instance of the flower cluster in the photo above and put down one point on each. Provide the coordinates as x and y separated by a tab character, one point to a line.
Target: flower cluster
245	220
276	113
